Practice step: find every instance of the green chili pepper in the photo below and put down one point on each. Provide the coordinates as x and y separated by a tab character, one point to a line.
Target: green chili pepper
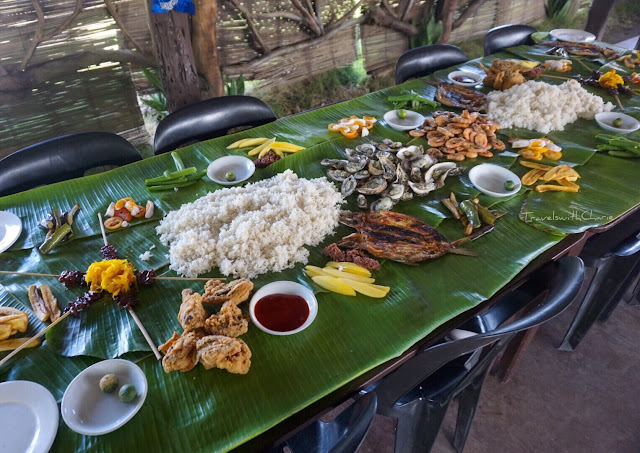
616	153
626	145
170	187
471	212
55	239
177	161
485	214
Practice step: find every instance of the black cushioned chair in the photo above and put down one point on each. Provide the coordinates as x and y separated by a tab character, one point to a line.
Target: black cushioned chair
209	119
425	60
63	158
343	434
500	38
419	392
615	274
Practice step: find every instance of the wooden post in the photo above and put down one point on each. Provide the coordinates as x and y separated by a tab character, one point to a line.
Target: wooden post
172	44
448	10
598	15
205	48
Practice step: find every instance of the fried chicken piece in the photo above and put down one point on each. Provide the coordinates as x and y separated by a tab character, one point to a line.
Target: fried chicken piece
192	314
229	321
216	292
180	352
231	354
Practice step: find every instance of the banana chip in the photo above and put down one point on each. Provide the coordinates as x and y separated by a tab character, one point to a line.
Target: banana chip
553	188
10	345
535	165
532	176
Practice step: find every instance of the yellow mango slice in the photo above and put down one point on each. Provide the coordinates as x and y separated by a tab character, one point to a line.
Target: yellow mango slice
333	284
286	145
255	151
367	289
314	271
247	142
346	275
350	267
284	150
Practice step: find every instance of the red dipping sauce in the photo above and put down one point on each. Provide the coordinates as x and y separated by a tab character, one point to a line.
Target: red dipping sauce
281	312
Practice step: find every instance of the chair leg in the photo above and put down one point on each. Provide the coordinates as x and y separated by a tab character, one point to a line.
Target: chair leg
418	425
467	403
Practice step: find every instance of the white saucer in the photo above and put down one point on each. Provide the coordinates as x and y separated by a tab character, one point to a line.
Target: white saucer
88	410
28	417
411	121
490	179
571	35
10	229
242	168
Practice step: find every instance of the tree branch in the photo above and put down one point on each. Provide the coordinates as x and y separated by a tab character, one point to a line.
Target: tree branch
391	10
111	7
37	38
346	16
380	17
309	19
252	26
448	11
283	15
406	10
313	13
469	10
67	21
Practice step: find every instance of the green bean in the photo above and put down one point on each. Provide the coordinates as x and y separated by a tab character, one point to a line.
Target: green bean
170	187
615	153
171	176
177	161
626	145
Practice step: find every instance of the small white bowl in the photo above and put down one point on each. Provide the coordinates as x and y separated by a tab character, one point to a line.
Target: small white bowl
605	121
490	179
242	167
88	410
572	35
472	75
411	121
285	287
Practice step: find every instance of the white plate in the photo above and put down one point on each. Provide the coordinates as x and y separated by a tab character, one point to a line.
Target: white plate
285	287
28	417
605	121
88	410
569	34
411	121
490	179
10	229
242	167
477	78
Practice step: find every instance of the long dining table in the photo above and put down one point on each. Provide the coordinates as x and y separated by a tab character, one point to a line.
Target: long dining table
354	340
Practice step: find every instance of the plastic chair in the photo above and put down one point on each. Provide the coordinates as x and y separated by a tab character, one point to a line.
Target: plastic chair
614	275
425	60
63	158
209	119
419	392
500	38
343	434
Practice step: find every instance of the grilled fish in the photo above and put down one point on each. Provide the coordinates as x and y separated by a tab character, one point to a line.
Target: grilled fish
461	97
578	48
399	237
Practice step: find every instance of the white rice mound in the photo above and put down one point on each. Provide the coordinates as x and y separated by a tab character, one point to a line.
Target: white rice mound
544	107
247	231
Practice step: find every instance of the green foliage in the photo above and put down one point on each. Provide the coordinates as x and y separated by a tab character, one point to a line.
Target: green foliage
157	101
429	32
154	78
558	9
234	86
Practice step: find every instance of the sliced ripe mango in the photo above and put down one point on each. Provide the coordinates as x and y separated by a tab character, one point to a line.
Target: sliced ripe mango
255	151
349	267
367	289
347	275
284	150
333	284
286	145
314	271
277	151
252	142
235	144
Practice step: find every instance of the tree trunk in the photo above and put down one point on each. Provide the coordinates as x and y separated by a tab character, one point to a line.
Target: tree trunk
380	17
598	15
172	44
205	49
448	10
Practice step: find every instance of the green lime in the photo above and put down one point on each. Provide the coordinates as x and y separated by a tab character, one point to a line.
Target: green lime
402	114
617	122
230	176
127	393
108	383
509	185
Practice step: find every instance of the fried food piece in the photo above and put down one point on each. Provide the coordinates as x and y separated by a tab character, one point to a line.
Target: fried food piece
12	321
37	303
532	177
15	343
180	352
217	293
231	354
51	302
551	187
192	314
229	321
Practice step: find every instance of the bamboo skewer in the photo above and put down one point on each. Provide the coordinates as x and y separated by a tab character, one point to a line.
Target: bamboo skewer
618	101
555	77
130	310
32	339
584	65
37	274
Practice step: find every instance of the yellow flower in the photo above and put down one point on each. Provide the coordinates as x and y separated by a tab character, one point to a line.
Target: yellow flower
610	79
113	276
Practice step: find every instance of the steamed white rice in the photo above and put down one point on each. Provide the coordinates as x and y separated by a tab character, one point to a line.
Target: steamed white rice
247	231
544	107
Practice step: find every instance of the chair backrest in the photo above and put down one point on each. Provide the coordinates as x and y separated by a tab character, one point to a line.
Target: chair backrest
209	119
425	60
500	38
562	279
63	158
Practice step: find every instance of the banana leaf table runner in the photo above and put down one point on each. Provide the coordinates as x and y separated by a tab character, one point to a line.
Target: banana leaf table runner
217	411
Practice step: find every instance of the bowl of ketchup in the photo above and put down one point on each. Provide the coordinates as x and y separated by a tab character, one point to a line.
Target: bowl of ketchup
283	308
